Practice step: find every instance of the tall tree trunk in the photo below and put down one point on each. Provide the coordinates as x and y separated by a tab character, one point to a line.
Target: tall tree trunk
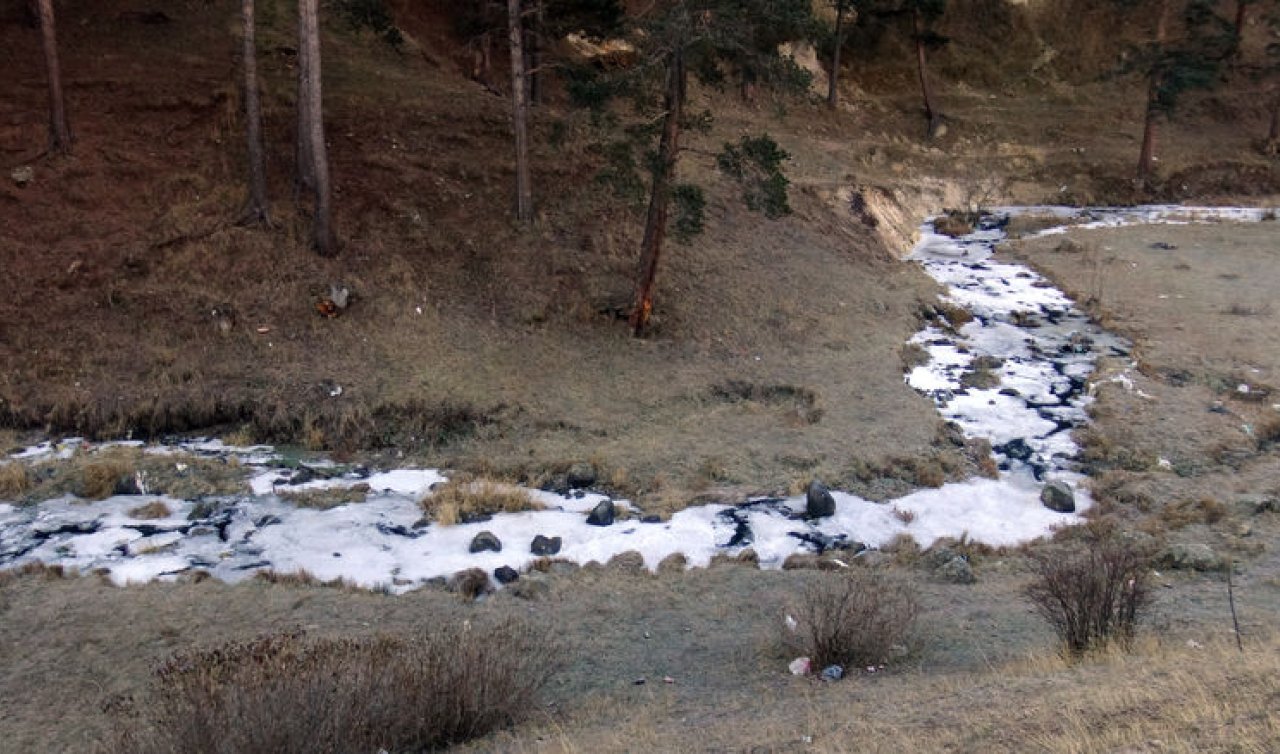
255	213
930	113
520	112
655	227
323	237
304	180
59	133
1150	128
833	89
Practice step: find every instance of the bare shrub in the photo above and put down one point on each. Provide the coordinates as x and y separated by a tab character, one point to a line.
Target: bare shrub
462	499
1092	597
286	693
852	618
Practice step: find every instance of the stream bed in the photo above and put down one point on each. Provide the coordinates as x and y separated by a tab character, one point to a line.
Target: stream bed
1013	369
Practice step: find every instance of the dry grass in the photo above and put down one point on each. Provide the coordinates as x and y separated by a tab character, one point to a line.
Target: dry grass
291	693
1160	697
462	499
15	480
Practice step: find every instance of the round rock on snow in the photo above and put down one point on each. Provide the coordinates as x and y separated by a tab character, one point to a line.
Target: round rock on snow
818	501
1057	496
486	541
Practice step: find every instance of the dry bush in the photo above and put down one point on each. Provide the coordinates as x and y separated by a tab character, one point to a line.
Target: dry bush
1092	597
460	500
286	693
15	480
853	618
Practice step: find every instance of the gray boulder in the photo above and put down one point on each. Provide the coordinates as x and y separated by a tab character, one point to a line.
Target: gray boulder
602	514
544	546
1057	496
818	502
486	541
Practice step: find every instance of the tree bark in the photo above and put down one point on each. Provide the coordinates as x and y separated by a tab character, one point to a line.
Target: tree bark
1273	132
833	90
520	112
655	227
304	180
930	113
255	213
533	52
59	132
323	237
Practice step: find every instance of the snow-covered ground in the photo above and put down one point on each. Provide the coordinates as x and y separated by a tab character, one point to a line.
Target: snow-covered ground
1032	337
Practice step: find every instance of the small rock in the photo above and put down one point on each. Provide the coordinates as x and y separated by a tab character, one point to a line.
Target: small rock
581	476
818	501
956	571
23	175
485	541
1192	557
799	666
832	673
506	574
1057	496
544	546
602	514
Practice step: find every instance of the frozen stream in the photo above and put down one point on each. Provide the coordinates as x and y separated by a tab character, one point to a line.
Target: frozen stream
1016	375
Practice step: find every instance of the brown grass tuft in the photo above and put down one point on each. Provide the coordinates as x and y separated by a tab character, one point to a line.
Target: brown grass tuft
100	476
1187	512
151	510
15	480
289	692
461	499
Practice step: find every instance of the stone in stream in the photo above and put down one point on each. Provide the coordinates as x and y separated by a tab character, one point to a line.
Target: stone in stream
1057	496
544	546
602	514
485	540
1016	449
818	502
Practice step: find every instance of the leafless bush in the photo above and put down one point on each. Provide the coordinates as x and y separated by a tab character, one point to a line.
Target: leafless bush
1092	597
852	618
286	693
